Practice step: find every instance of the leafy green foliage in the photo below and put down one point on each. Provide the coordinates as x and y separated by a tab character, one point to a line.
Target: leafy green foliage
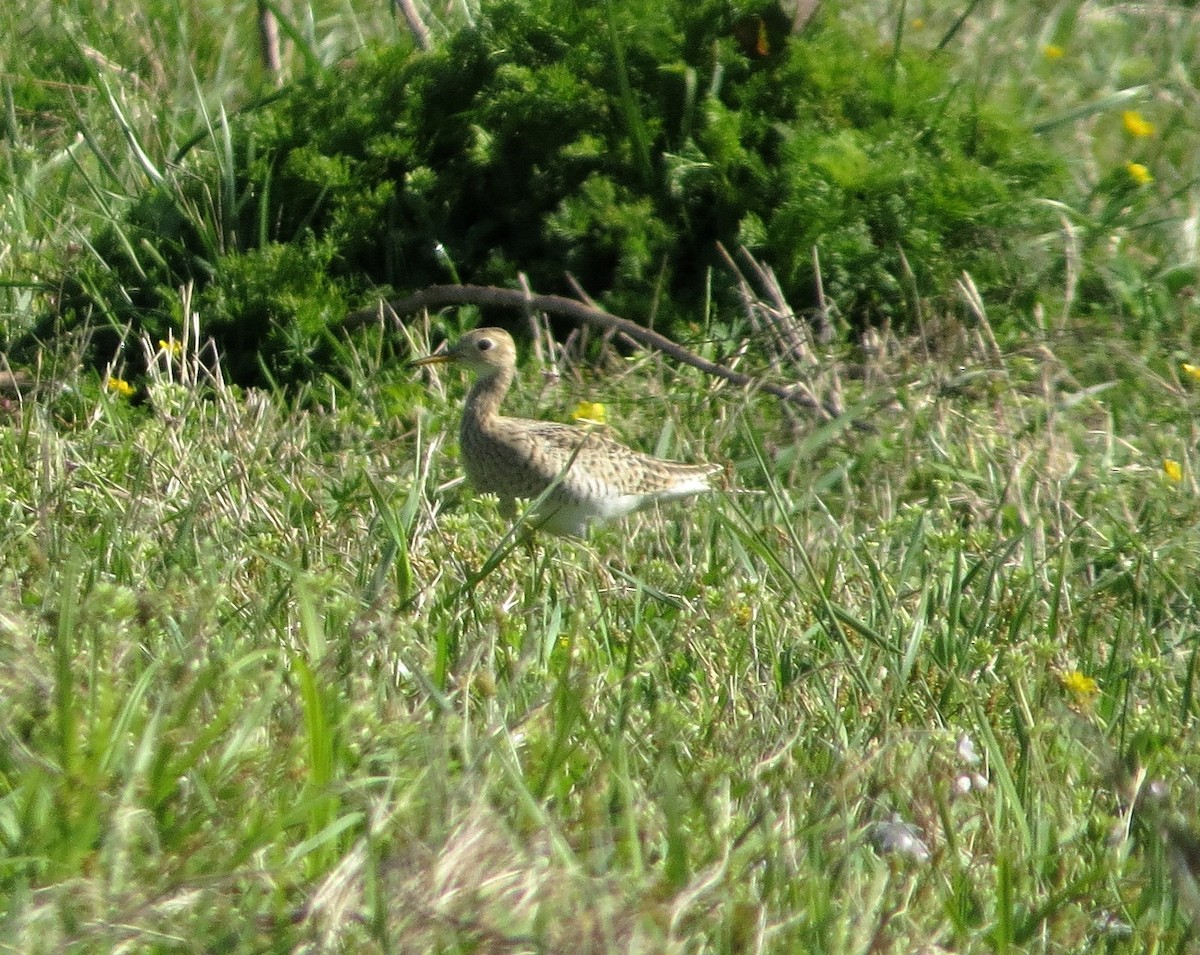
275	300
618	142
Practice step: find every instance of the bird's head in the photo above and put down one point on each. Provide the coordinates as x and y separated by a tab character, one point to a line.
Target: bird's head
485	351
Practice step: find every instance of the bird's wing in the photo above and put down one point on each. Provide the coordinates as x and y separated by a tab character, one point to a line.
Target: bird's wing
603	460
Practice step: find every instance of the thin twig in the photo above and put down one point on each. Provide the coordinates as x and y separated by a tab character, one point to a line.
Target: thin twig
821	325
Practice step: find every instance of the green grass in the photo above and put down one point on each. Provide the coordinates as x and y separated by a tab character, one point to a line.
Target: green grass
271	680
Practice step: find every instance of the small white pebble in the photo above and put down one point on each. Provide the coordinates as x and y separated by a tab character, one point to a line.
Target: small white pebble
896	837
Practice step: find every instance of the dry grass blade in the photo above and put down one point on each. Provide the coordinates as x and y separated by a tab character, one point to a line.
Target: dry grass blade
788	340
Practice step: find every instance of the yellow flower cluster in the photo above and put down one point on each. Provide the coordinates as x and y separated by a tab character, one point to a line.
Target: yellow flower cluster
1136	125
1082	687
120	386
1139	173
590	412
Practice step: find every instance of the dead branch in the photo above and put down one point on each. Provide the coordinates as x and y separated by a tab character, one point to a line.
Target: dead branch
416	25
268	42
439	296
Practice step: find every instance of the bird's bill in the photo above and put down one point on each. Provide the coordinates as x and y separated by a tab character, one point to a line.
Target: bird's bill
433	359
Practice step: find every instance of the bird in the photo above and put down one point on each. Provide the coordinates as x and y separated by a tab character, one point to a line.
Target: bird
576	475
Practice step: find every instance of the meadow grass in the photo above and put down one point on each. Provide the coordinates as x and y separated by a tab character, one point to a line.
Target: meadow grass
918	679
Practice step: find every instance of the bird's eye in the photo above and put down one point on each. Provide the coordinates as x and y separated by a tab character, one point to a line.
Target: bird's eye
484	344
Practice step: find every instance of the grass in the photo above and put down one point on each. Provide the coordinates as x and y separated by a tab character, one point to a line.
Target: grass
259	693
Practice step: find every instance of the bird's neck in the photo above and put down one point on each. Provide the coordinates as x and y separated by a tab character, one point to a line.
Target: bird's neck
485	396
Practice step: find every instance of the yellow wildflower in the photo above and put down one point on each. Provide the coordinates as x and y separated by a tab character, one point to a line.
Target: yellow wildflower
120	386
589	412
1082	687
1052	51
1172	470
1135	125
917	23
1138	173
1192	371
173	348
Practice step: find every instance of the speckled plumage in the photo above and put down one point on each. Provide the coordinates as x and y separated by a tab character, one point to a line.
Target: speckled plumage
597	477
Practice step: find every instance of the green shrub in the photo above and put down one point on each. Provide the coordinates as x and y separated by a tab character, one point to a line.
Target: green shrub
276	300
620	142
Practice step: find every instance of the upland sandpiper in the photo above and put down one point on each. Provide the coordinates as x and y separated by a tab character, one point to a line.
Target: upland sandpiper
589	476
